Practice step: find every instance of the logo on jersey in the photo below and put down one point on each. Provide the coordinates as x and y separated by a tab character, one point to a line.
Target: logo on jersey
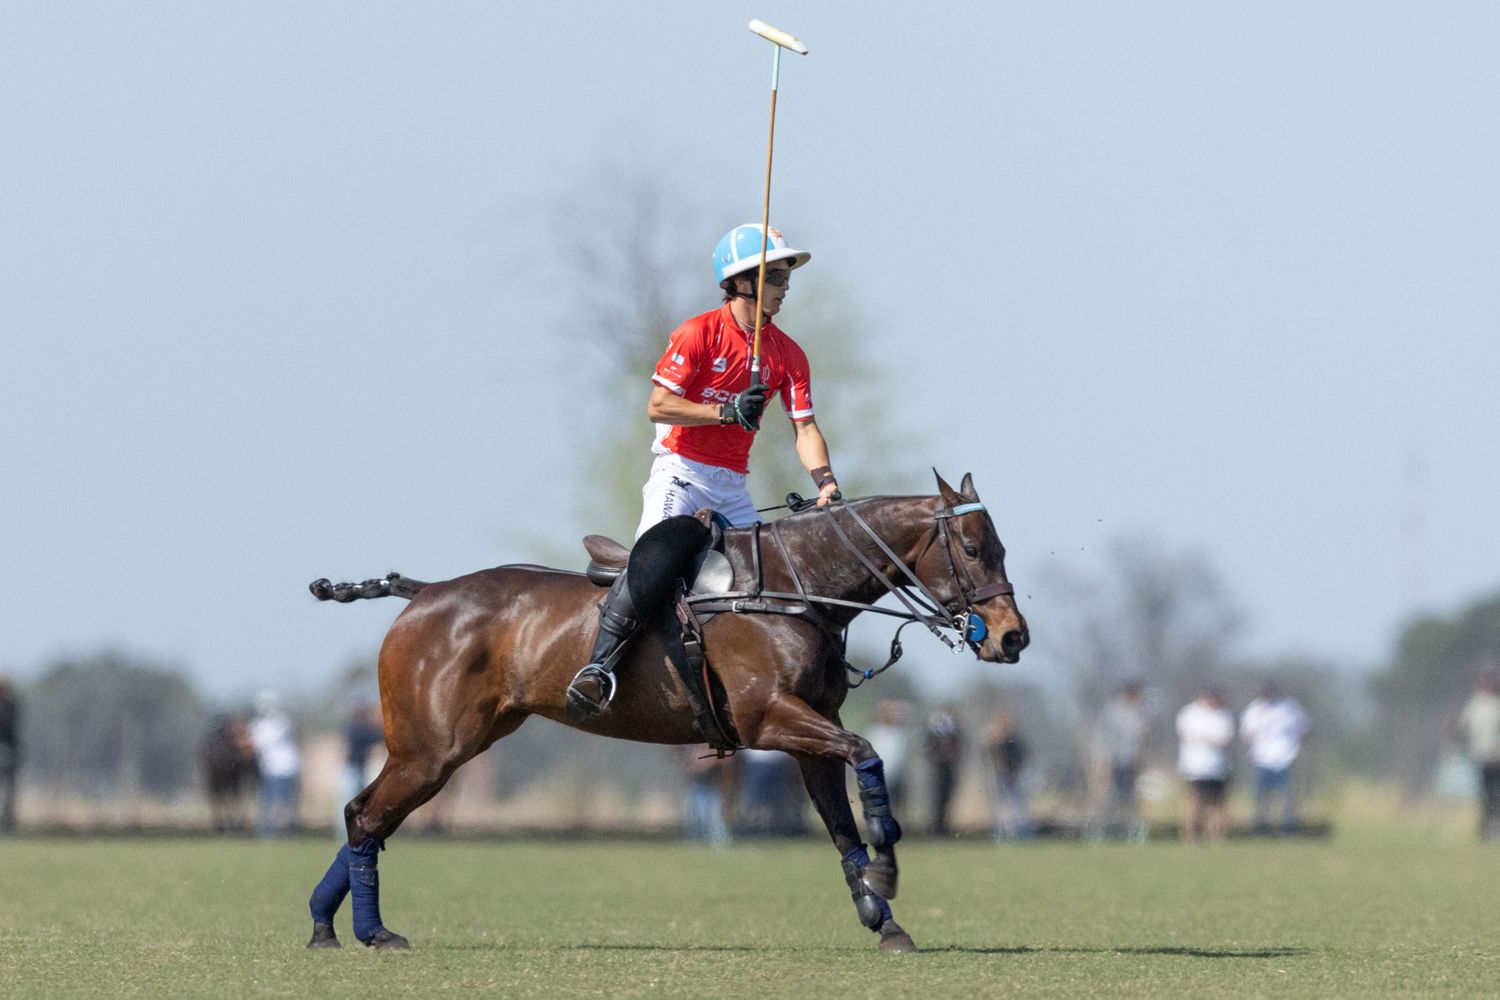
709	392
678	359
721	364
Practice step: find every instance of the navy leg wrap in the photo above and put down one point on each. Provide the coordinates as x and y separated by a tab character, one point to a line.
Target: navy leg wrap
332	890
882	827
873	910
364	887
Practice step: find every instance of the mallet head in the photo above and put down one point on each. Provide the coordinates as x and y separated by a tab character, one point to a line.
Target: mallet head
778	37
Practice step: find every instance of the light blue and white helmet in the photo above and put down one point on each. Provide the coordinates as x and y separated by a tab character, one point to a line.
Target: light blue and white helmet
739	251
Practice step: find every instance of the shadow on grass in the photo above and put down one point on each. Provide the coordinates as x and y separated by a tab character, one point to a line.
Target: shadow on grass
705	948
949	949
1162	950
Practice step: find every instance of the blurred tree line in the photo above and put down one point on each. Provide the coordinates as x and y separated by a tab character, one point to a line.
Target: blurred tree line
632	260
110	726
1434	669
113	726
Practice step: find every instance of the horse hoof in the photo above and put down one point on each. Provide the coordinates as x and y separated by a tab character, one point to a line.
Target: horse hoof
323	937
881	874
384	940
895	941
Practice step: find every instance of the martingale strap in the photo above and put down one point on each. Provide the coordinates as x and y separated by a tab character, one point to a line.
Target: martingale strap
692	669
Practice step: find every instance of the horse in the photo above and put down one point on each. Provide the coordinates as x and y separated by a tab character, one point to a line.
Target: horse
470	659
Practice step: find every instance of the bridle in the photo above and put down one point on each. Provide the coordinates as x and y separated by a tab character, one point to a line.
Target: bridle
940	616
957	613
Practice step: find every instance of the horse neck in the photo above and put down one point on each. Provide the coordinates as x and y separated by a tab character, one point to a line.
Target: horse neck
826	566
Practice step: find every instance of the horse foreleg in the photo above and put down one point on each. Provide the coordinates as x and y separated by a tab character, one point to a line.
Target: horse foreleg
821	748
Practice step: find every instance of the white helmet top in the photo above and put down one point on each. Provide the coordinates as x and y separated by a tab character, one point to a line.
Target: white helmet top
739	250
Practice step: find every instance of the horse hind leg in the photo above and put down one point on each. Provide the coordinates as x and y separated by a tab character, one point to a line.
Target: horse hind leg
404	783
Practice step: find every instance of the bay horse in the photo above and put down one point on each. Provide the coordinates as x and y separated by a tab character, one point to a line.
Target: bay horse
470	659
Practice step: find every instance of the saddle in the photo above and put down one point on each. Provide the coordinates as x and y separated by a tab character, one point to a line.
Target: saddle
712	574
682	629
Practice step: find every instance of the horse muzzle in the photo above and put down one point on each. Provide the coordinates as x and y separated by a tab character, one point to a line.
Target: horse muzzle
1004	645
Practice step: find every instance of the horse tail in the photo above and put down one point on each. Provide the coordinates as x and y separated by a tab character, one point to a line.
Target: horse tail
390	585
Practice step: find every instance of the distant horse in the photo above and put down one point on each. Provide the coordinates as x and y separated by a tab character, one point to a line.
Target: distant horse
471	658
229	769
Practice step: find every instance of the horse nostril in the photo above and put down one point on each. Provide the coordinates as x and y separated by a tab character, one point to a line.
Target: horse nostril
1012	642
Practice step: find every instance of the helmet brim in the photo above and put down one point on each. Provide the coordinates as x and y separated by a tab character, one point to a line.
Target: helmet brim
797	257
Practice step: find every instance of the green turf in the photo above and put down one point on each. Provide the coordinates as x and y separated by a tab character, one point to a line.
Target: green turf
203	918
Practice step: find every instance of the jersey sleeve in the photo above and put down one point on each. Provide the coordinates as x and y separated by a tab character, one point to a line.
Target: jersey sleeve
796	387
682	360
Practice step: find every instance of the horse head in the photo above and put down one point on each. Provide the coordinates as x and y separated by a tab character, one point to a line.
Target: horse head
964	566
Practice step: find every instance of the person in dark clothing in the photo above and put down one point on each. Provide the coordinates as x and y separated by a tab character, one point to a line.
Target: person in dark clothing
1010	815
944	745
10	754
363	735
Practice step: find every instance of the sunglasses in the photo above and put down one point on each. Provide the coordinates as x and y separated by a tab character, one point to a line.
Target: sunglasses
779	277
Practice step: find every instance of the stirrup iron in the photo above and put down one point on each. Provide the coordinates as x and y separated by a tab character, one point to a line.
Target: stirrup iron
581	707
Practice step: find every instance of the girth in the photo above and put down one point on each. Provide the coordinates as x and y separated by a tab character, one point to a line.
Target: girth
691	663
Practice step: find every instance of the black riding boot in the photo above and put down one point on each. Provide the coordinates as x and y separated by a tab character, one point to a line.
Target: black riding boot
594	685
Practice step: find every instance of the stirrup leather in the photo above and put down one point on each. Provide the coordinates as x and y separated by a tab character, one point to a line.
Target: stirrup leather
580	705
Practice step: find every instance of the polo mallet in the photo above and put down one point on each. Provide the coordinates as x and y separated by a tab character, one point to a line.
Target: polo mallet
780	40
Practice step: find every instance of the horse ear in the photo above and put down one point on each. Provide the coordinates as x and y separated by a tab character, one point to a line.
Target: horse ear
967	487
944	490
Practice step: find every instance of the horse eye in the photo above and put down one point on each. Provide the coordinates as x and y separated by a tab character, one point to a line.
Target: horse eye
971	552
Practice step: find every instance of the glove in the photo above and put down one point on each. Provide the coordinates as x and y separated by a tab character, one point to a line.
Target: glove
745	408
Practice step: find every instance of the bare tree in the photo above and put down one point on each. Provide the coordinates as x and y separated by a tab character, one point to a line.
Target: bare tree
636	254
1148	614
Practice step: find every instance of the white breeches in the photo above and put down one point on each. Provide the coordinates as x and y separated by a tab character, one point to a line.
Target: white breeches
681	486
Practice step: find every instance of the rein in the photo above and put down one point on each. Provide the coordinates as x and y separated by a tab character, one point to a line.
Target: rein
938	616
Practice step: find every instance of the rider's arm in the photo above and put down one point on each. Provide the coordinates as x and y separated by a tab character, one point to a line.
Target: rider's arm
666	407
813	451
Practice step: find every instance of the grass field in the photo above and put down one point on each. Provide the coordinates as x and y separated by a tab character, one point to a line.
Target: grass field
1345	917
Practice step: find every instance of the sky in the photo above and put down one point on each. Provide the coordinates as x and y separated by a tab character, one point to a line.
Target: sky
1224	274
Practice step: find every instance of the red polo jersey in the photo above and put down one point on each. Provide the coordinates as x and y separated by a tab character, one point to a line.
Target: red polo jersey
707	361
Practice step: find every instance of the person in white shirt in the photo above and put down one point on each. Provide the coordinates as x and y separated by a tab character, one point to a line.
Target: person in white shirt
1120	747
280	766
1205	730
1480	724
1273	727
890	735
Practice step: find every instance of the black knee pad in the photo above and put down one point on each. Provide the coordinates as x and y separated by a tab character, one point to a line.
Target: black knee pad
662	557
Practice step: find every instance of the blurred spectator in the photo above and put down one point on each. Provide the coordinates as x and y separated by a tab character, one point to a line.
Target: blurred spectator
1010	817
772	800
706	777
1205	729
889	736
280	766
944	745
1480	725
1120	749
229	771
363	732
1273	726
10	754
